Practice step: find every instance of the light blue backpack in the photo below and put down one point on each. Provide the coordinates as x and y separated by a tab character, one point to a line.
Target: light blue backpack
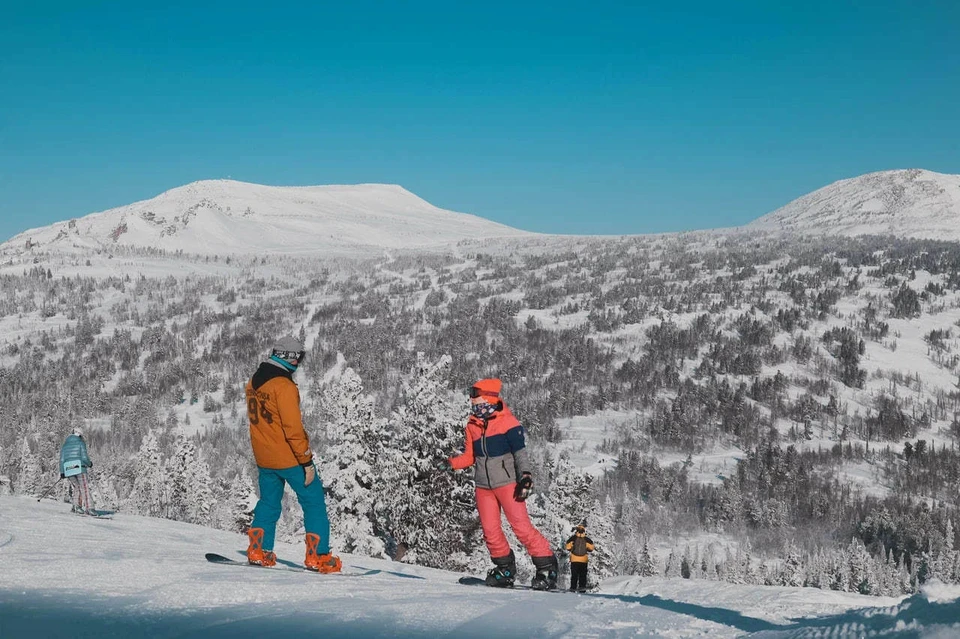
72	467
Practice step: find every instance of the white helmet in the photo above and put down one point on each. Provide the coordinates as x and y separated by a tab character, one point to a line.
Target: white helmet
288	352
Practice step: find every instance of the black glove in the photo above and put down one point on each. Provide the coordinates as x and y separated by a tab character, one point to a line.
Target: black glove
524	486
443	466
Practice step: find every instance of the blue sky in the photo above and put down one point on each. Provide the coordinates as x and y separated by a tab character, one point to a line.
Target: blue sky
599	117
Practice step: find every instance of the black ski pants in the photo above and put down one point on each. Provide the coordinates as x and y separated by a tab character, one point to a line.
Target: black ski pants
578	575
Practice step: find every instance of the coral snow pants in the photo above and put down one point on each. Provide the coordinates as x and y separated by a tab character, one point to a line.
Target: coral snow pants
311	499
80	493
489	503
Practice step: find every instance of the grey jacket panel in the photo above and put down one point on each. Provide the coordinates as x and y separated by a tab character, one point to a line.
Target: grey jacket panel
494	472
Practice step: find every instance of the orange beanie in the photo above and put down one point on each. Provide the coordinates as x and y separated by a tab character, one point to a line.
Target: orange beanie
487	388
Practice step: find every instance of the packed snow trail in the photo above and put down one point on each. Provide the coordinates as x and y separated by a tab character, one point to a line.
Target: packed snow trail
65	575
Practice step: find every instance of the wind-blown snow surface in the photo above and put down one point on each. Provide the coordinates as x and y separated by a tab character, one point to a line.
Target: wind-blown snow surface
907	203
67	575
228	217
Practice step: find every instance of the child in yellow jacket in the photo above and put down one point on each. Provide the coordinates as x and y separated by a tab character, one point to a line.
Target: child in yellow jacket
579	545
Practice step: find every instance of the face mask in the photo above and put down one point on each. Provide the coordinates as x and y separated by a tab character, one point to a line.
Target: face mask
483	411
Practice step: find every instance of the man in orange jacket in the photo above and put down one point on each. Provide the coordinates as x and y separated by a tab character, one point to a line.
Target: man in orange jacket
495	448
282	450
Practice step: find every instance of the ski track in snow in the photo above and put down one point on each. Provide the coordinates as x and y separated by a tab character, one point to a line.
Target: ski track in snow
64	575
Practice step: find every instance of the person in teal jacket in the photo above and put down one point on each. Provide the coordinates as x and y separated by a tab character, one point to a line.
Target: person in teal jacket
74	465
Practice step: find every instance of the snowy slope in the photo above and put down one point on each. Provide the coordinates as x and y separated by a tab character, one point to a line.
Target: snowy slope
229	217
908	203
67	575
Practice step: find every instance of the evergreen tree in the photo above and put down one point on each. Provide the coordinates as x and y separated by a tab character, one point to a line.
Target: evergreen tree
149	487
201	502
792	572
567	501
178	475
351	465
685	565
601	530
243	499
648	565
430	512
30	476
947	557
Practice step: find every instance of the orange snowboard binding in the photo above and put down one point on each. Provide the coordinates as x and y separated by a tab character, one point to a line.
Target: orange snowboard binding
255	553
326	563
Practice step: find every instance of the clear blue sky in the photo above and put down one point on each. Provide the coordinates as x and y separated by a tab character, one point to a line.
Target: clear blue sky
588	117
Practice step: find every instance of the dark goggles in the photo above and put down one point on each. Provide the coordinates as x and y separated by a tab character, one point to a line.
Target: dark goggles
476	392
297	356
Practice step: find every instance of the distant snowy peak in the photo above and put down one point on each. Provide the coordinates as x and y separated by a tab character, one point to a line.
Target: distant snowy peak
907	203
229	217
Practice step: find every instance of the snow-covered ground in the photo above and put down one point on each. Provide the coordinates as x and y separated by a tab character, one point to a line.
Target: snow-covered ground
65	575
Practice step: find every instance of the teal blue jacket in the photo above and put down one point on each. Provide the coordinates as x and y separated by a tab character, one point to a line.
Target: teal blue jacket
74	448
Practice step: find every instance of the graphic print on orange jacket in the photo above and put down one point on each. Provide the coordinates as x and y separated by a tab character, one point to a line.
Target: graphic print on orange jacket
276	427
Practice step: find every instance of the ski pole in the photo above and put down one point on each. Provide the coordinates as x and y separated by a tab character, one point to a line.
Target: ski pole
49	489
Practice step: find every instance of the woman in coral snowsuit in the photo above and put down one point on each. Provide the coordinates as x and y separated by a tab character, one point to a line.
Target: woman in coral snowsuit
495	448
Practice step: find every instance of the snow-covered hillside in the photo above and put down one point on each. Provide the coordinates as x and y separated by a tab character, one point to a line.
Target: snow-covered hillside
907	203
66	575
228	217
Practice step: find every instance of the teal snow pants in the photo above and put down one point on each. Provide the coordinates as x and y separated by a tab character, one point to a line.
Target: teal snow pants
311	499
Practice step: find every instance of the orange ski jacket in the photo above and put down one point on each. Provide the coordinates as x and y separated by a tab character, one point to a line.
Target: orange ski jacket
276	426
495	448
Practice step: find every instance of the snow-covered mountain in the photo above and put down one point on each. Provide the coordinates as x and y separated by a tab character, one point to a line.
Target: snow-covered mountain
67	575
907	203
229	217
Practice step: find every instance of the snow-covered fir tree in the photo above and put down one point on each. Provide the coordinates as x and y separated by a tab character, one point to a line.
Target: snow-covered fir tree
600	529
148	496
30	476
243	499
352	464
792	571
565	502
427	510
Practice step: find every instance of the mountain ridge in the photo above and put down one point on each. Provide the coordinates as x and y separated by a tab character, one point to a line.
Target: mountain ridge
224	216
229	217
912	203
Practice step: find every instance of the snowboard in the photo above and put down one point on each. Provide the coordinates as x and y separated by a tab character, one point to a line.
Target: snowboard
479	581
284	564
214	558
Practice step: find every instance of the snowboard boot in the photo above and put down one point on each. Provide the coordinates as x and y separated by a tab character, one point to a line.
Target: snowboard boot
547	571
325	563
503	573
256	555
